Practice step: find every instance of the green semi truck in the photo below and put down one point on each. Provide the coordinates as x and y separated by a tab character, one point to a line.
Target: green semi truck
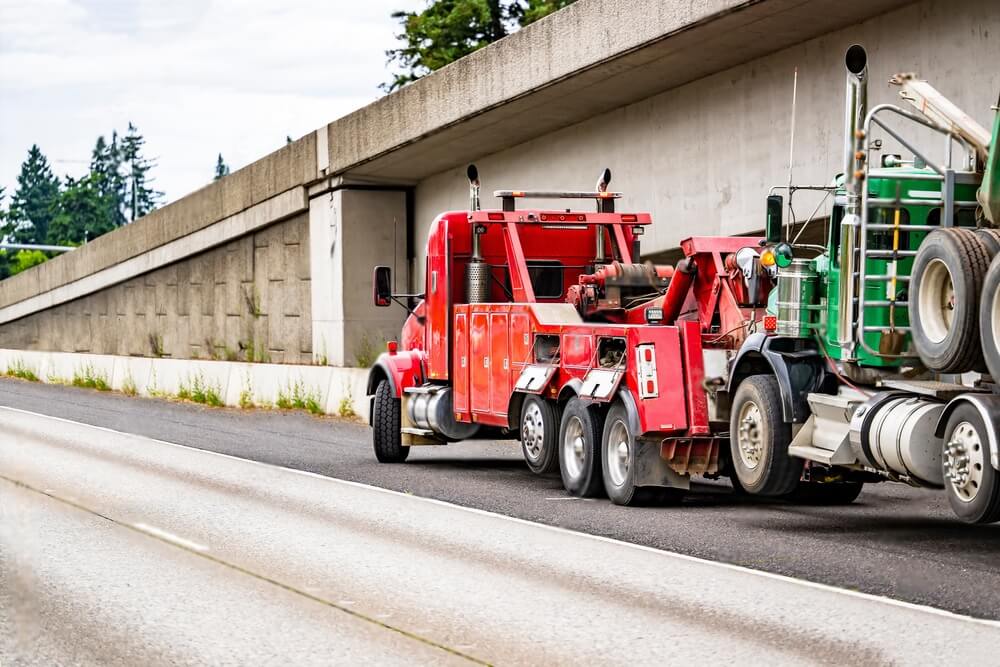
882	358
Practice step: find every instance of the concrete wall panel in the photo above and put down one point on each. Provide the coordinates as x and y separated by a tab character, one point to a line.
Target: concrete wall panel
199	307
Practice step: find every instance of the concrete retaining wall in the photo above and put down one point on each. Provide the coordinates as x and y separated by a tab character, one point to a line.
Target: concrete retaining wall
248	299
337	391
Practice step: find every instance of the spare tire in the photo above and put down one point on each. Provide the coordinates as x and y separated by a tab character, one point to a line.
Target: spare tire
990	238
945	285
989	319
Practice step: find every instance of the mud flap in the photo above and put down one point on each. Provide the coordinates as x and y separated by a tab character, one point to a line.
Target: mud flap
652	470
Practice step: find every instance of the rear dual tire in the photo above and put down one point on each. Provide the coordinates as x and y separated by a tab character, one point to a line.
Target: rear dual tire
580	449
619	456
540	435
970	480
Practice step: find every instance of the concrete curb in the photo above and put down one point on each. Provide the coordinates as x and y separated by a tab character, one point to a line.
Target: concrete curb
330	389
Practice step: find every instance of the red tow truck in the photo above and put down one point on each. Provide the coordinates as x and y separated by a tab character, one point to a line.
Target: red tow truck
541	324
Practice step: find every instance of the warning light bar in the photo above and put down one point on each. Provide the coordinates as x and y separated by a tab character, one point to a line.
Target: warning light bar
555	194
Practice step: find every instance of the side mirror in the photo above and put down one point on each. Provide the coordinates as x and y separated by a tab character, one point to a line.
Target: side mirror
775	209
382	286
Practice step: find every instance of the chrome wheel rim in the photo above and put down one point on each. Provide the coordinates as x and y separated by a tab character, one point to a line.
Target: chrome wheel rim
937	301
749	439
964	459
618	452
533	432
574	450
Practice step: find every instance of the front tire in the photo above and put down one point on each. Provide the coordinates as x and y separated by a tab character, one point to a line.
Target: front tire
618	464
759	439
580	449
540	435
970	481
386	434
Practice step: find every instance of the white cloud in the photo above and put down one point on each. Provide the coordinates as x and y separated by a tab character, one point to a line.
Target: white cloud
198	77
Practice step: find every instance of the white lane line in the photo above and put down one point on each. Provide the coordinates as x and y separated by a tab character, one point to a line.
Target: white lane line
169	537
565	531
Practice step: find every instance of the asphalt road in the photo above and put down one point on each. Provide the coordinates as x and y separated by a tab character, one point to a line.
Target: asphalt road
894	541
117	549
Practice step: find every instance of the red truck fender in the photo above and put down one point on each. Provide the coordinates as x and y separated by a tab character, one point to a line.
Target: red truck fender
403	369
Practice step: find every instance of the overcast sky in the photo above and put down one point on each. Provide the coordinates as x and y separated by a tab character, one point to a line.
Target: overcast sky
198	77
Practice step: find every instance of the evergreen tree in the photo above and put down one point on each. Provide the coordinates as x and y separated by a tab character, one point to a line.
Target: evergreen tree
450	29
221	168
140	198
83	211
33	203
105	170
4	259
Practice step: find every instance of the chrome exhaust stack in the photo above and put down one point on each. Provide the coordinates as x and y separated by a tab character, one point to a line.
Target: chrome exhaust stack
600	253
477	272
855	110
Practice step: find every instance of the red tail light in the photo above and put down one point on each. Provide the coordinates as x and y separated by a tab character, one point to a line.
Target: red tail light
770	323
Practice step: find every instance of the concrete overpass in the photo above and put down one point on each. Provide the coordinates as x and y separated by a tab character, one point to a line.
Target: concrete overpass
687	102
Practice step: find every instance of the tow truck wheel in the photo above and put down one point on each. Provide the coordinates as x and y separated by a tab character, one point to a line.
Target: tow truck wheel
971	482
759	439
946	283
580	449
618	461
539	435
386	436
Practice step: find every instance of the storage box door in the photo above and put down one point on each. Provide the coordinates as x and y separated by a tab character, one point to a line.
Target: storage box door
520	344
460	376
500	371
479	362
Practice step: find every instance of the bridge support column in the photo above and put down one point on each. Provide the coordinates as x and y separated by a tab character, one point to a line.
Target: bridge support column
351	230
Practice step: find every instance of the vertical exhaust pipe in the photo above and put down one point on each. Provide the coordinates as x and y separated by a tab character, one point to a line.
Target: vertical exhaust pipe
477	272
855	110
600	252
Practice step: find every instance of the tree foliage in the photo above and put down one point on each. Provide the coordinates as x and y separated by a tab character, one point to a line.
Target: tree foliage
447	30
83	211
221	168
140	198
47	211
32	206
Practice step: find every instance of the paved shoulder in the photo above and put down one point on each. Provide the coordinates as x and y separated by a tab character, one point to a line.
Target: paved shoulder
895	541
469	584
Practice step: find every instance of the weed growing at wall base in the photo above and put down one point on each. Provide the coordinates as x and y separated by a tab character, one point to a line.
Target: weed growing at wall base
198	390
246	394
18	369
297	397
87	376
